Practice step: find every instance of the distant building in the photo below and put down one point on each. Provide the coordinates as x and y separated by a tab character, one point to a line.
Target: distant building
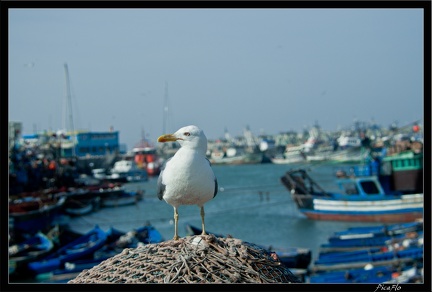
96	143
80	144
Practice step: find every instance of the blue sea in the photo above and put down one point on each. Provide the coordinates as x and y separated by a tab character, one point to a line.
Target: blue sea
251	205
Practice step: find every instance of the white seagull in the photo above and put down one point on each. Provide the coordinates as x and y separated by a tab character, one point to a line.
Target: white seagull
187	178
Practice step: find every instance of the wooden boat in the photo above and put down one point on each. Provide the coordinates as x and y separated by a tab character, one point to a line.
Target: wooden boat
366	196
106	190
69	271
32	214
122	199
373	236
144	234
291	257
122	171
235	155
32	249
348	155
80	248
148	234
372	255
118	240
387	249
83	200
292	154
146	157
384	230
400	257
76	207
370	274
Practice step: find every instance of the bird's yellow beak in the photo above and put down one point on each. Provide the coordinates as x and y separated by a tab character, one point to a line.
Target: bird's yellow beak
167	138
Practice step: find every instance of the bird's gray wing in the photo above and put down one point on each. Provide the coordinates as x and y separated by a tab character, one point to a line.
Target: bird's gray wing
215	180
160	188
216	187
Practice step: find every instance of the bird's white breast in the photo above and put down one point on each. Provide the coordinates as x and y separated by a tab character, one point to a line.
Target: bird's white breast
189	179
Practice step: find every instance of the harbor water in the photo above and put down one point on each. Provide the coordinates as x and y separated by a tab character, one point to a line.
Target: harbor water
251	205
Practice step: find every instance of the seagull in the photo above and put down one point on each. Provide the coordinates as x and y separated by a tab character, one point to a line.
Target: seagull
187	178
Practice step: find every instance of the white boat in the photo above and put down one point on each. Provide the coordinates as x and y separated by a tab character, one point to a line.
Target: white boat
123	170
292	154
351	154
122	199
347	149
235	155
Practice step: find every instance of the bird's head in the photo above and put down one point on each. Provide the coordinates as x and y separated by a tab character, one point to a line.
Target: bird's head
189	136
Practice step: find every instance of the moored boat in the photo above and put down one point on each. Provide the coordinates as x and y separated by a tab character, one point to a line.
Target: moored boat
120	240
123	171
369	274
32	214
81	247
147	158
235	155
122	199
31	249
410	250
371	241
76	207
68	271
367	195
399	258
292	154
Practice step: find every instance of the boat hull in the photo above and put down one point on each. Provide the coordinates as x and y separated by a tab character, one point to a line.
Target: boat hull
83	246
384	218
81	207
407	208
123	199
33	220
362	199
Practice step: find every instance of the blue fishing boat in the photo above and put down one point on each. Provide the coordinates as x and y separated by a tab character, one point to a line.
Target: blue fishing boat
31	249
119	240
69	271
369	274
401	248
367	194
399	258
385	230
372	237
80	248
116	241
31	214
370	255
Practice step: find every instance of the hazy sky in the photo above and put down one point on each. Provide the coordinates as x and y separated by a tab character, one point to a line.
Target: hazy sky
272	69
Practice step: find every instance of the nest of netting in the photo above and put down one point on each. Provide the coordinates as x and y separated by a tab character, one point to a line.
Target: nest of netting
192	259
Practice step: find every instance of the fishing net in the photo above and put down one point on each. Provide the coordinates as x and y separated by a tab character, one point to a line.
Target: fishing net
191	259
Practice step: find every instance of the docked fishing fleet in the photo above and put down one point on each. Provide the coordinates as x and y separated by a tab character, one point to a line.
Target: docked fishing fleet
78	172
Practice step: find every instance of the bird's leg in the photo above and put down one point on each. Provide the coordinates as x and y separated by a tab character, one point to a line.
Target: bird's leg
175	224
202	221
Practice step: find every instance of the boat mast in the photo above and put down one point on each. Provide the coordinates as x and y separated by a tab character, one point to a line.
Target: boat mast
165	108
68	117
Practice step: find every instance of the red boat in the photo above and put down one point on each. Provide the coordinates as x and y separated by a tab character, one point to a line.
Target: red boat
146	157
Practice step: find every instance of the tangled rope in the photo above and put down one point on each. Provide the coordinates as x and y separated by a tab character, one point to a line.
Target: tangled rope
192	259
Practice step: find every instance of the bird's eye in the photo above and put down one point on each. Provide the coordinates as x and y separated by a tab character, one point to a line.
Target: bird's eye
186	134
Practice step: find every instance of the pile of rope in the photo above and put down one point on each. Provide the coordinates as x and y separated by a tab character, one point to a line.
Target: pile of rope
191	259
